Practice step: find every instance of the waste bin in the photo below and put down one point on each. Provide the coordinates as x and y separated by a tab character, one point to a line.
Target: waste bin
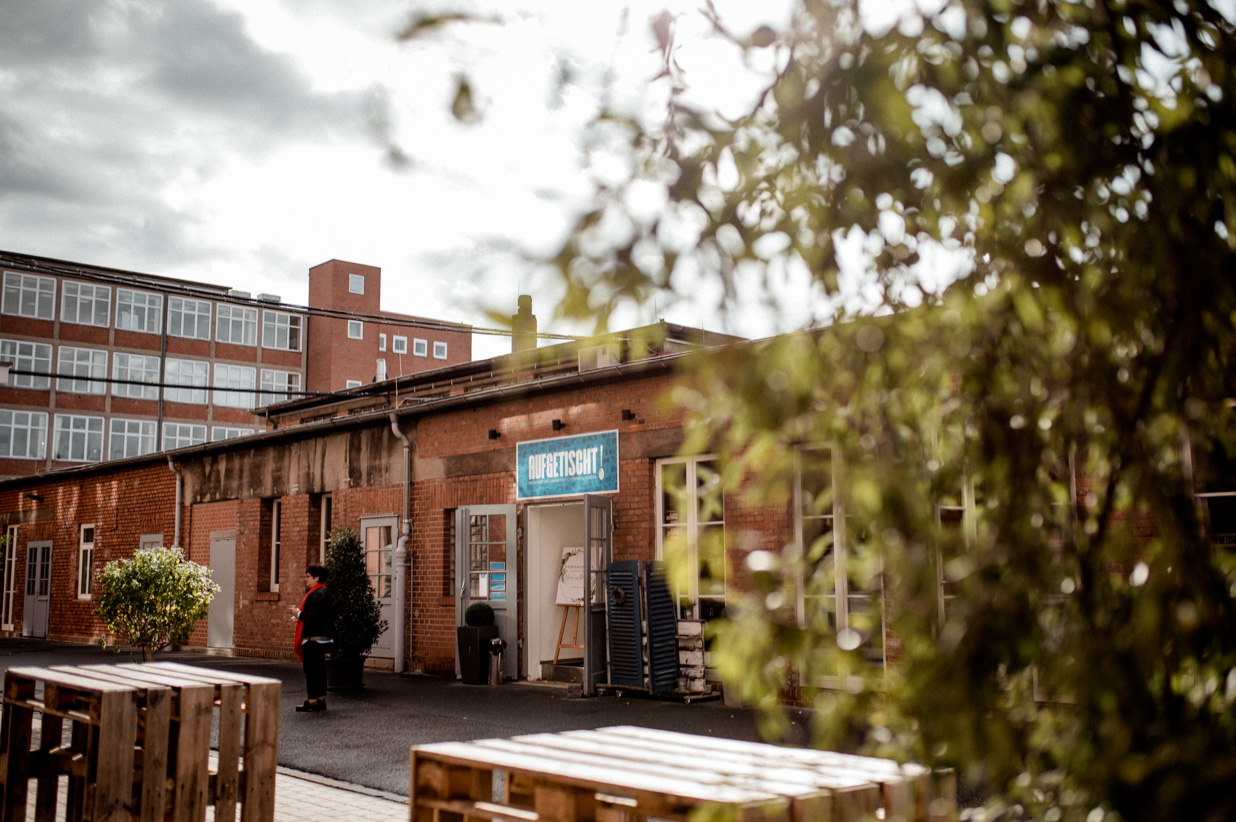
496	646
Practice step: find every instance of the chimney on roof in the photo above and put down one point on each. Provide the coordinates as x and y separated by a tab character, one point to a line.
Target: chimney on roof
523	326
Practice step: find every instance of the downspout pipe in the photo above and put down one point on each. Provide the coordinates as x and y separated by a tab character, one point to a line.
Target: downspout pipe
401	549
180	493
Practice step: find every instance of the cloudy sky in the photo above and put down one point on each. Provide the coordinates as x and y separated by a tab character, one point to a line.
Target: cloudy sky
240	142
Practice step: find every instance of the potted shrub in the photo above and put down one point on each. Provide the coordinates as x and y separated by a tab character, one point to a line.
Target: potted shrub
358	615
473	640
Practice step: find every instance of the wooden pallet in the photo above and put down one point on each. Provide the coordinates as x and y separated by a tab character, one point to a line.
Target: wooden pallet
628	773
139	743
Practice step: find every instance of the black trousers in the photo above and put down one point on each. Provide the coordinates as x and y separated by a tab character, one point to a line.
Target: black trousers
314	662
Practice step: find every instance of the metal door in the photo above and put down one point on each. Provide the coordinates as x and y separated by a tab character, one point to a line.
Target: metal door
221	615
598	553
488	571
37	608
378	538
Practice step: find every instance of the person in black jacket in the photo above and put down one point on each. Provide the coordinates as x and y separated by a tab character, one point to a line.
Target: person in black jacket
315	628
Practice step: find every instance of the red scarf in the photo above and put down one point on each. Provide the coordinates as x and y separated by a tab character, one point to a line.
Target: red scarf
300	623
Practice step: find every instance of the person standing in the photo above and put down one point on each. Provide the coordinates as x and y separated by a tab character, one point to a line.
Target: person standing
315	628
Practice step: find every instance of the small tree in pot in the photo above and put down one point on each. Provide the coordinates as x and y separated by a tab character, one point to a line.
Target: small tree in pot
473	639
358	615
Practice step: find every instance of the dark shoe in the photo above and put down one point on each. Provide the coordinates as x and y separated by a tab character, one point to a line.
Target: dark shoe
311	705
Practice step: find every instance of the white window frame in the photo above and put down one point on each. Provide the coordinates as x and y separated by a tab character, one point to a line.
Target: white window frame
10	578
326	521
242	378
182	435
439	350
149	541
85	560
356	283
22	426
399	345
842	594
381	342
85	304
236	325
352	384
276	535
188	318
77	437
277	385
137	368
29	295
420	348
282	331
130	438
27	356
666	522
192	388
84	370
356	330
139	311
219	433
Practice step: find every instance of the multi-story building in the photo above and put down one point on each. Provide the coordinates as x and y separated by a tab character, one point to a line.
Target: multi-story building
107	364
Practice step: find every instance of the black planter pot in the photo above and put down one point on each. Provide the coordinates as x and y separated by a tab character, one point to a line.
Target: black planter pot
345	674
472	645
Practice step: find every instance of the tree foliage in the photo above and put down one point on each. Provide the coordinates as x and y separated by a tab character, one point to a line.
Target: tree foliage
358	614
1079	159
154	599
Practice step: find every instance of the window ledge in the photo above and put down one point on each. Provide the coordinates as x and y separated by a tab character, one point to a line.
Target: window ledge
266	596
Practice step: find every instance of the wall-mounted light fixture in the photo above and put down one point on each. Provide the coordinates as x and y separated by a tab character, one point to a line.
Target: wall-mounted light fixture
494	433
559	425
627	415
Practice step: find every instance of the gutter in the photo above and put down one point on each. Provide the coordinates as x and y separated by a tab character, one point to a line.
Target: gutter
401	548
180	493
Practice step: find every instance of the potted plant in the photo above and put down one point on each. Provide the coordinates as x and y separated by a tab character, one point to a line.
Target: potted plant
358	615
473	641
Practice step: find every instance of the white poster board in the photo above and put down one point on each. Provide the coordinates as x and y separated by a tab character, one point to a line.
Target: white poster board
571	577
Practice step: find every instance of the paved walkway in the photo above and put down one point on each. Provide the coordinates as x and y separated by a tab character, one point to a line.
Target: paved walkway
303	797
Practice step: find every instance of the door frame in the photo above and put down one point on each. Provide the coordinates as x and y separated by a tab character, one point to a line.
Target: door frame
598	553
32	613
507	611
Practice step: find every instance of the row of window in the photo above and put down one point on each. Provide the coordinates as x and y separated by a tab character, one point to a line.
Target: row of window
399	345
29	295
79	438
84	371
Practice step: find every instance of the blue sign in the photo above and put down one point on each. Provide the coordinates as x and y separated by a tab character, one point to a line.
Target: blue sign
567	466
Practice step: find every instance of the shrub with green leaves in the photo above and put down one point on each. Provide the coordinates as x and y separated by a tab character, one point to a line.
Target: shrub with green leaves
154	599
358	614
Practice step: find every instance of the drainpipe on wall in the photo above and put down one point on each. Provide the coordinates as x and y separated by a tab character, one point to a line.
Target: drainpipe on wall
180	491
401	549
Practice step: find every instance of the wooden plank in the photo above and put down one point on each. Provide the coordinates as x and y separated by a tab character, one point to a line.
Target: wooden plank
112	756
856	804
227	771
191	758
562	803
155	740
50	731
261	757
18	731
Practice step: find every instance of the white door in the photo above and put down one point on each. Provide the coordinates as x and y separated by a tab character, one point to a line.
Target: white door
37	608
378	538
222	611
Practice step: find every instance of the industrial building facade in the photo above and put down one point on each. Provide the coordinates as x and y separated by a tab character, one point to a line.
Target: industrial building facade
107	364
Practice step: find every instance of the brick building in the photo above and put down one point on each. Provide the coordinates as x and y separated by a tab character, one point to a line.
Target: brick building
472	482
110	364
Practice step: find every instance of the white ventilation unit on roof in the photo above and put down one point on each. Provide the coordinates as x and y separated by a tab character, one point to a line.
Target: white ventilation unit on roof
270	298
238	294
599	356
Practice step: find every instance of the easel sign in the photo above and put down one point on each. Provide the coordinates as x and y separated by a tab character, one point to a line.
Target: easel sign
571	577
570	594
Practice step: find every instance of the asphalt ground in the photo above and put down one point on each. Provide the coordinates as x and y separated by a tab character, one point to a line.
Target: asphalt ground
364	736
